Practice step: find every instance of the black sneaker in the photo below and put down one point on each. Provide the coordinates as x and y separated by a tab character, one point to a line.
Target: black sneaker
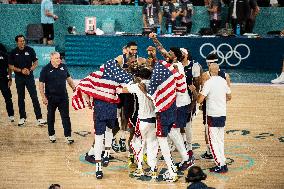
99	174
186	164
207	156
115	146
90	158
219	169
105	161
226	168
122	143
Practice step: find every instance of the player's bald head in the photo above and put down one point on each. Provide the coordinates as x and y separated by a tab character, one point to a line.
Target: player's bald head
214	69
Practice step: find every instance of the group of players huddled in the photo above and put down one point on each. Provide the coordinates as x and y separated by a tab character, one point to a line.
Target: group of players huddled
150	130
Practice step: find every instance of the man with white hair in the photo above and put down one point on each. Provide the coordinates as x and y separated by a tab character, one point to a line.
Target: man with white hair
52	87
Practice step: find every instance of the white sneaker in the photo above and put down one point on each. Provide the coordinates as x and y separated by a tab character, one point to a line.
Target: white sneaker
279	79
11	118
52	139
41	122
170	177
69	140
22	122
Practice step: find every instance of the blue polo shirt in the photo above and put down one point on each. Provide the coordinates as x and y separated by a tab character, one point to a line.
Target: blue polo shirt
23	59
55	80
46	5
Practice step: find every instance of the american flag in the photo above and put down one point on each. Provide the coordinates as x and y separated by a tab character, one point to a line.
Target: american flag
102	85
163	87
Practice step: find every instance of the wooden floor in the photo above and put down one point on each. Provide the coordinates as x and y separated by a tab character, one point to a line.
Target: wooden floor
254	146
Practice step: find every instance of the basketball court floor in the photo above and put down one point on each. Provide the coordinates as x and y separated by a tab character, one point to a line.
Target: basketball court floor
254	147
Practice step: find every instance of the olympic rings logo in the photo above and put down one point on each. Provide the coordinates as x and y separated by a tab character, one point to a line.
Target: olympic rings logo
228	54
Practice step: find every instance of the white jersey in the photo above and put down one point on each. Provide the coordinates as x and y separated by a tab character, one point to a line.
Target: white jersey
215	89
146	106
182	99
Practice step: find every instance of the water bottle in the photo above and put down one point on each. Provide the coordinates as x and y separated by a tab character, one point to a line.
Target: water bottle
170	29
136	3
158	30
238	30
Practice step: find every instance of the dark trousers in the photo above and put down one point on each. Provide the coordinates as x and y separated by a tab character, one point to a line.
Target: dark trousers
187	25
249	25
29	83
215	25
63	107
6	92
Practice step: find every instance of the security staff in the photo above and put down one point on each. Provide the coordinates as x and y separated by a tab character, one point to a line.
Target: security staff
52	87
5	83
23	62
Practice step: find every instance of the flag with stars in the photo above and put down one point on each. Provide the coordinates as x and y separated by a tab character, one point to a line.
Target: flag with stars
102	85
162	88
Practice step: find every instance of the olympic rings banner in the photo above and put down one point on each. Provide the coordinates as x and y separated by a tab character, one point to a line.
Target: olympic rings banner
248	53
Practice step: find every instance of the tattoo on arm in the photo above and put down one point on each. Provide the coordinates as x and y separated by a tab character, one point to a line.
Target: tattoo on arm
160	47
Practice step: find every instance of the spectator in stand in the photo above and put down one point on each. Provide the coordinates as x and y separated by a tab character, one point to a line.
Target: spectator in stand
12	1
281	3
263	3
214	10
4	2
251	20
198	2
82	2
47	20
240	12
273	3
24	1
152	15
170	13
186	14
127	2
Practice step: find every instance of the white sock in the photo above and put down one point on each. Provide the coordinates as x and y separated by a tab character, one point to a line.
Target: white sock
108	137
91	151
107	153
188	132
98	146
183	137
152	148
165	150
140	156
98	166
176	137
119	117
